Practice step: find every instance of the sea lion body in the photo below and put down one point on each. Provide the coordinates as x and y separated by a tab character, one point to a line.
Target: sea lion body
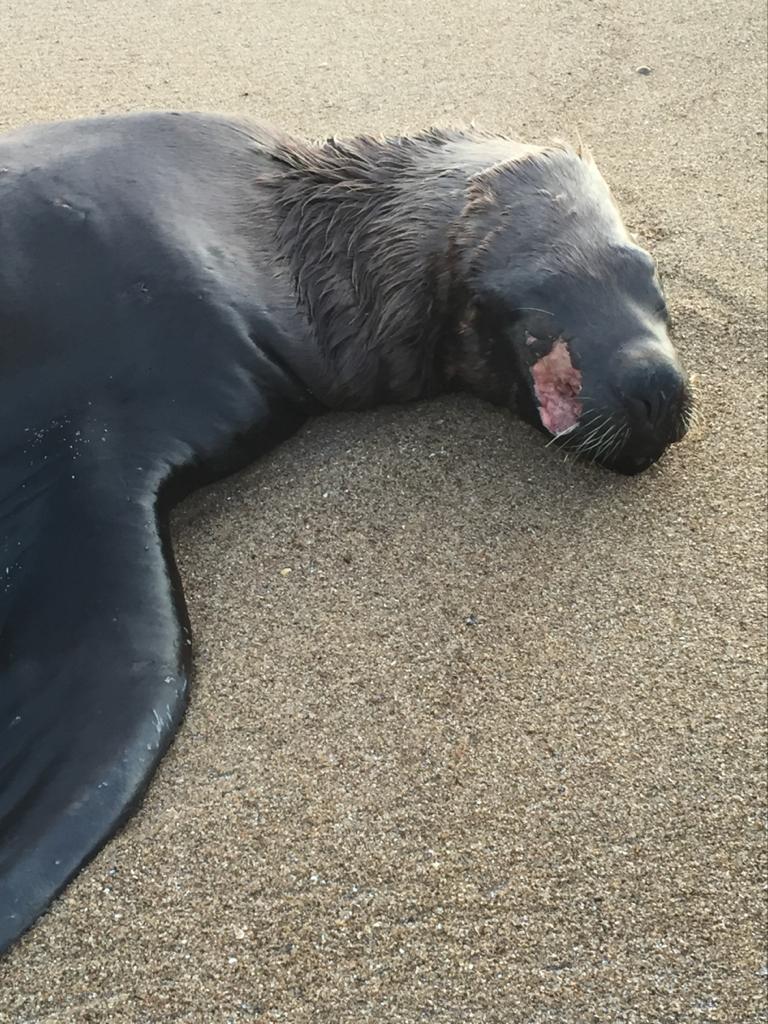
178	293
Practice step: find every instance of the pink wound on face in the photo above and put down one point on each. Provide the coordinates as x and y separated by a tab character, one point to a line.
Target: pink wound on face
557	382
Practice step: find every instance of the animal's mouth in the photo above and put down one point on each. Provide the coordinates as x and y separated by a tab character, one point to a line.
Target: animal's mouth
557	385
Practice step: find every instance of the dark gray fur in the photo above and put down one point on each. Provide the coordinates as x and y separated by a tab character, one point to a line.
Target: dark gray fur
388	241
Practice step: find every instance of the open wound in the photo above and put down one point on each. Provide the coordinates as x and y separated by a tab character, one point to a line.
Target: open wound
557	383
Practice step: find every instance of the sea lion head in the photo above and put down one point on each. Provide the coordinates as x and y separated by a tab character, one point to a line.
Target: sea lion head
567	313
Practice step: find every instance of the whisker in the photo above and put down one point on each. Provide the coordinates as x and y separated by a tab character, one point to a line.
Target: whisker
604	445
565	434
597	437
584	449
596	423
594	438
693	421
605	442
618	440
562	433
532	309
590	449
593	414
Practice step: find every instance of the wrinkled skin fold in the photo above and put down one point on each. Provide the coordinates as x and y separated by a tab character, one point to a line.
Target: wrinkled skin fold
178	293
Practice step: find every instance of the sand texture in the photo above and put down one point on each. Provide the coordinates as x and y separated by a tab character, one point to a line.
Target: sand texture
493	751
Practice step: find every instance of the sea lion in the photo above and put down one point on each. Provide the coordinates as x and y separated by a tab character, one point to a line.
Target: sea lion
179	292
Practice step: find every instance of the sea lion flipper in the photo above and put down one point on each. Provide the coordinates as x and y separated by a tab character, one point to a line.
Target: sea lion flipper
92	677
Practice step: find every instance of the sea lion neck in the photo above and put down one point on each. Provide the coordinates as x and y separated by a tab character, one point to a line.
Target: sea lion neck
365	227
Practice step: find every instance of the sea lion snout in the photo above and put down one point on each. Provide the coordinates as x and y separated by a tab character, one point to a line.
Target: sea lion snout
644	393
621	405
654	394
652	388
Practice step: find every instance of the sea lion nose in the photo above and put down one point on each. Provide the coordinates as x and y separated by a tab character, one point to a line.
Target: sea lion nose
652	388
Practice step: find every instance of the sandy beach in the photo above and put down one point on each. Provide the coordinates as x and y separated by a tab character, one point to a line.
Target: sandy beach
493	751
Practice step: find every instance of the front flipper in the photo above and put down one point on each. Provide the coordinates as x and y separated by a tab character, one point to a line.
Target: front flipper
93	673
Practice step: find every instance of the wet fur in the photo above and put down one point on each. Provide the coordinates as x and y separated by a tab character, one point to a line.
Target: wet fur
387	240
